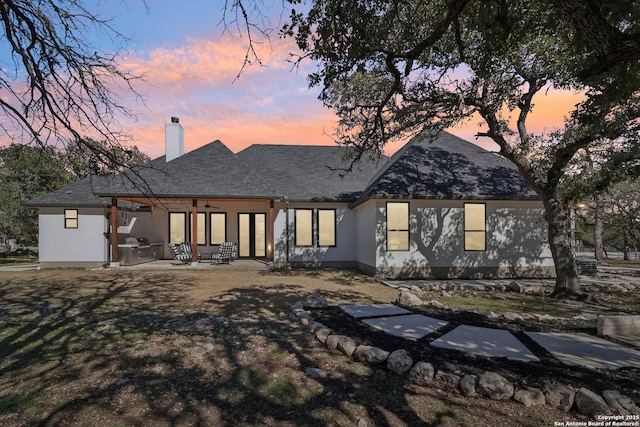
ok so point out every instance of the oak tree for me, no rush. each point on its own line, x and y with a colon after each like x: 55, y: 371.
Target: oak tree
x: 390, y: 69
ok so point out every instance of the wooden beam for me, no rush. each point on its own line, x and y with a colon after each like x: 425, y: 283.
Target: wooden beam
x: 114, y: 230
x: 194, y: 233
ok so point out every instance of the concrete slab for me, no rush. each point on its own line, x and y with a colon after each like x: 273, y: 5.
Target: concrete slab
x: 411, y: 327
x: 372, y: 310
x: 485, y: 342
x: 586, y: 350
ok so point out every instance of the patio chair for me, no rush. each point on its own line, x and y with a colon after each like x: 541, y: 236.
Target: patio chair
x: 225, y: 252
x: 179, y: 253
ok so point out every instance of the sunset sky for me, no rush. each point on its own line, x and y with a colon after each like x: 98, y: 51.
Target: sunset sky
x: 191, y: 65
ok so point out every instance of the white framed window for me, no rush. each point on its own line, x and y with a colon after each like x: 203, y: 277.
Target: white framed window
x: 475, y: 227
x: 397, y: 226
x: 71, y: 218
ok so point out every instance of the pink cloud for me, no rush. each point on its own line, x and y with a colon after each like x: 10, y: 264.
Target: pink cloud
x: 267, y: 105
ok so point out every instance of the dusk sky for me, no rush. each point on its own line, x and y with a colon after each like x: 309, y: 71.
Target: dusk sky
x: 191, y: 65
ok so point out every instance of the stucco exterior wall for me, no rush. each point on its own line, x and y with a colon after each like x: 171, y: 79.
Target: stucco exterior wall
x: 340, y: 255
x: 516, y: 242
x: 85, y: 246
x: 367, y: 240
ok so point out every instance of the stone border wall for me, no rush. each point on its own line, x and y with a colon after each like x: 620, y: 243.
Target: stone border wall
x: 490, y: 385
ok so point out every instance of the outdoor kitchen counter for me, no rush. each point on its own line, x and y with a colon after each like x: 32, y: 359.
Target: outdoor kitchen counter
x: 132, y: 253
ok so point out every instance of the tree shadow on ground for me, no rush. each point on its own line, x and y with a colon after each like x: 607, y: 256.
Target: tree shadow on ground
x: 106, y: 348
x: 121, y: 348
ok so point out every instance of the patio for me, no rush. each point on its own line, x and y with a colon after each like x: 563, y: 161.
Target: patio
x: 166, y: 264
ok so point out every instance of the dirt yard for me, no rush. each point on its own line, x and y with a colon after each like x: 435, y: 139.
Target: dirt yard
x: 215, y: 348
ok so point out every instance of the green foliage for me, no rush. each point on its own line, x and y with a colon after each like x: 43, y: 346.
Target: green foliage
x: 25, y: 173
x: 87, y: 156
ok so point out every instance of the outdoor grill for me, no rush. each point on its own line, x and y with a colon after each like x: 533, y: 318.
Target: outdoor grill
x: 138, y: 250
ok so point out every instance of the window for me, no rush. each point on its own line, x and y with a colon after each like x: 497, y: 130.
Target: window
x: 315, y: 227
x: 202, y: 233
x: 475, y: 227
x: 71, y: 218
x: 397, y: 226
x: 218, y: 231
x: 177, y: 227
x: 304, y: 227
x: 326, y: 227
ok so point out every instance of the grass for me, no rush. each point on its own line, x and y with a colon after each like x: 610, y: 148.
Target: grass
x: 17, y: 402
x: 512, y: 302
x: 17, y: 260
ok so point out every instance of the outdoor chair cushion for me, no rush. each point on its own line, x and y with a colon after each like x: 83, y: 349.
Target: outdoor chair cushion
x: 179, y: 253
x: 225, y: 252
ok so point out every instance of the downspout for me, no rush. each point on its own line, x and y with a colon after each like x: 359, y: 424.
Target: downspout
x: 115, y: 262
x: 194, y: 232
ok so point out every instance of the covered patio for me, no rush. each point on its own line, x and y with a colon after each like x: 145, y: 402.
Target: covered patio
x: 166, y: 264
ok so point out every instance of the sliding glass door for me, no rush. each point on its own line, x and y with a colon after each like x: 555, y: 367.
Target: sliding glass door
x: 252, y: 230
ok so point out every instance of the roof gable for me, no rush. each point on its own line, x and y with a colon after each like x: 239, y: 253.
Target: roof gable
x: 443, y: 166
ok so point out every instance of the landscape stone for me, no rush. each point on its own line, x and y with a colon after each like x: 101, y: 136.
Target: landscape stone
x: 589, y: 403
x: 316, y: 373
x: 559, y: 396
x: 347, y: 345
x: 421, y: 373
x: 416, y: 290
x: 495, y: 386
x: 399, y: 361
x: 435, y: 303
x: 620, y: 404
x: 315, y: 326
x: 408, y: 299
x: 532, y: 289
x: 515, y: 287
x: 512, y: 316
x: 529, y: 397
x: 315, y: 301
x: 468, y: 385
x: 447, y: 380
x: 370, y: 354
x: 322, y: 334
x: 297, y: 306
x: 333, y: 341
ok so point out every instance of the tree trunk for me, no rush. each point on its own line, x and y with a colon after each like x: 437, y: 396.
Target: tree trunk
x: 597, y: 232
x: 567, y: 280
x: 625, y: 245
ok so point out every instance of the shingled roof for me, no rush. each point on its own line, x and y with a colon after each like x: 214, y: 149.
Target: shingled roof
x: 428, y: 167
x: 303, y: 172
x: 78, y: 194
x: 443, y: 166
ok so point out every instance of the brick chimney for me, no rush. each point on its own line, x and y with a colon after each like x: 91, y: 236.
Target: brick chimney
x: 173, y: 139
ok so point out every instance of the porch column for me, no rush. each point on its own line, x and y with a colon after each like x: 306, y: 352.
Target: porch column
x: 115, y: 261
x: 194, y: 232
x: 270, y: 220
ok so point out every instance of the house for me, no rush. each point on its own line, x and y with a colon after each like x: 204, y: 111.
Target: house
x: 440, y: 207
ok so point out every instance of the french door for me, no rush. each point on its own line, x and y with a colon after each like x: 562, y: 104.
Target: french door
x: 252, y: 232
